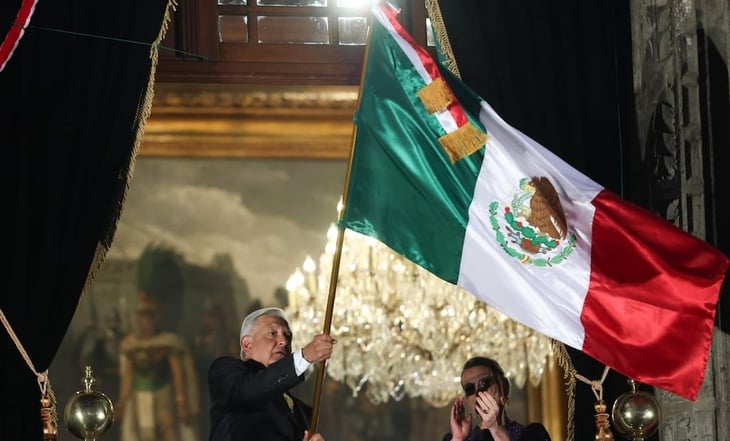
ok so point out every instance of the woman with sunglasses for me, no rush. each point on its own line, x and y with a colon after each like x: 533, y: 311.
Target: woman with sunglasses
x: 486, y: 391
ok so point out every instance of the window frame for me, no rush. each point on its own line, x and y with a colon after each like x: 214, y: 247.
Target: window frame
x: 192, y: 53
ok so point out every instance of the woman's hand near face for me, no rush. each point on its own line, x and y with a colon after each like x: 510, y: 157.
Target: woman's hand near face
x: 460, y: 421
x: 491, y: 412
x: 488, y: 409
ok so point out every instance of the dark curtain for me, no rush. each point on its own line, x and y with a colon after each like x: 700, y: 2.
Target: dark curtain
x: 561, y: 72
x: 71, y: 99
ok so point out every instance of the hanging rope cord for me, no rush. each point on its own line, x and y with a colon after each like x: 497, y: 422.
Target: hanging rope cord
x: 596, y: 385
x: 44, y: 382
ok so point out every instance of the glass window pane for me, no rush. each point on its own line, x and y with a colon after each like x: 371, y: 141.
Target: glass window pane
x: 291, y: 2
x: 293, y: 30
x: 353, y: 31
x: 233, y: 29
x: 232, y: 2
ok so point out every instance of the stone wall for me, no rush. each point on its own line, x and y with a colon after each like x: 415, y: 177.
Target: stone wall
x: 679, y: 148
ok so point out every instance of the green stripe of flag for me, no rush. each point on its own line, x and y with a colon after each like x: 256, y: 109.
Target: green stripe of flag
x: 403, y: 189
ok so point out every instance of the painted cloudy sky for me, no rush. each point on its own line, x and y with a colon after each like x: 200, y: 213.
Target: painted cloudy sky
x: 266, y: 214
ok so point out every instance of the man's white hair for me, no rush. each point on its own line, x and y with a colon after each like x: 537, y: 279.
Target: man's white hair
x: 250, y: 321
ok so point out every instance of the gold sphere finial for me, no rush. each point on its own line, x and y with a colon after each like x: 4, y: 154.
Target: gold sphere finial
x: 88, y: 413
x: 636, y: 414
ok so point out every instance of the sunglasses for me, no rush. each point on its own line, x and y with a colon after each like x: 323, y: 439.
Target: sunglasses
x: 481, y: 385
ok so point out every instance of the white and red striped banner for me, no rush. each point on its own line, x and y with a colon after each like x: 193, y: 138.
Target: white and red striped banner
x: 16, y: 31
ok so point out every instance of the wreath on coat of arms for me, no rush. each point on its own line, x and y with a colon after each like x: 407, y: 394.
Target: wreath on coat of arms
x: 532, y: 227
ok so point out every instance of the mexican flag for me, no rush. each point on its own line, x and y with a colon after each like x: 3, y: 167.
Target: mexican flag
x: 441, y: 179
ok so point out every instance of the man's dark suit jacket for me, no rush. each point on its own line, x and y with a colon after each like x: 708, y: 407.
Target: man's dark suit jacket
x: 247, y: 401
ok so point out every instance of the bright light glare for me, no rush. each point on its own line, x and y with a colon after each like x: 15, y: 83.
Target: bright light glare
x: 355, y: 4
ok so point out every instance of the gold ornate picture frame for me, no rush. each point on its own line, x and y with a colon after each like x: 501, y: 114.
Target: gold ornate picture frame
x: 224, y: 120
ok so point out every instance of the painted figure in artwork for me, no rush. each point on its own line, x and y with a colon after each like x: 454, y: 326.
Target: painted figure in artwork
x: 158, y: 398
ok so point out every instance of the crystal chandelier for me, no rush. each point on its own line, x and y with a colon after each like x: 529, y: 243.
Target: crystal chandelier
x: 400, y: 330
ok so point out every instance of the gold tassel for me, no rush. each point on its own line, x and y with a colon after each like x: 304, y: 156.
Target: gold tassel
x: 436, y: 96
x: 463, y: 142
x: 49, y: 420
x: 603, y: 432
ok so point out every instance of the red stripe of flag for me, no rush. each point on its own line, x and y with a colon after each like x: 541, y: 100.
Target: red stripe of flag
x: 457, y: 112
x: 643, y: 270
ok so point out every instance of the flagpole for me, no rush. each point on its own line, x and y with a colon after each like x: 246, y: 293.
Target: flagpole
x: 334, y: 274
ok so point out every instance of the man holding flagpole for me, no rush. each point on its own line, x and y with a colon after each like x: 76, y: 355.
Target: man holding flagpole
x: 250, y: 396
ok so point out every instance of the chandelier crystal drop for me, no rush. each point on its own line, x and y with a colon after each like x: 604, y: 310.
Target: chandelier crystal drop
x: 402, y: 331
